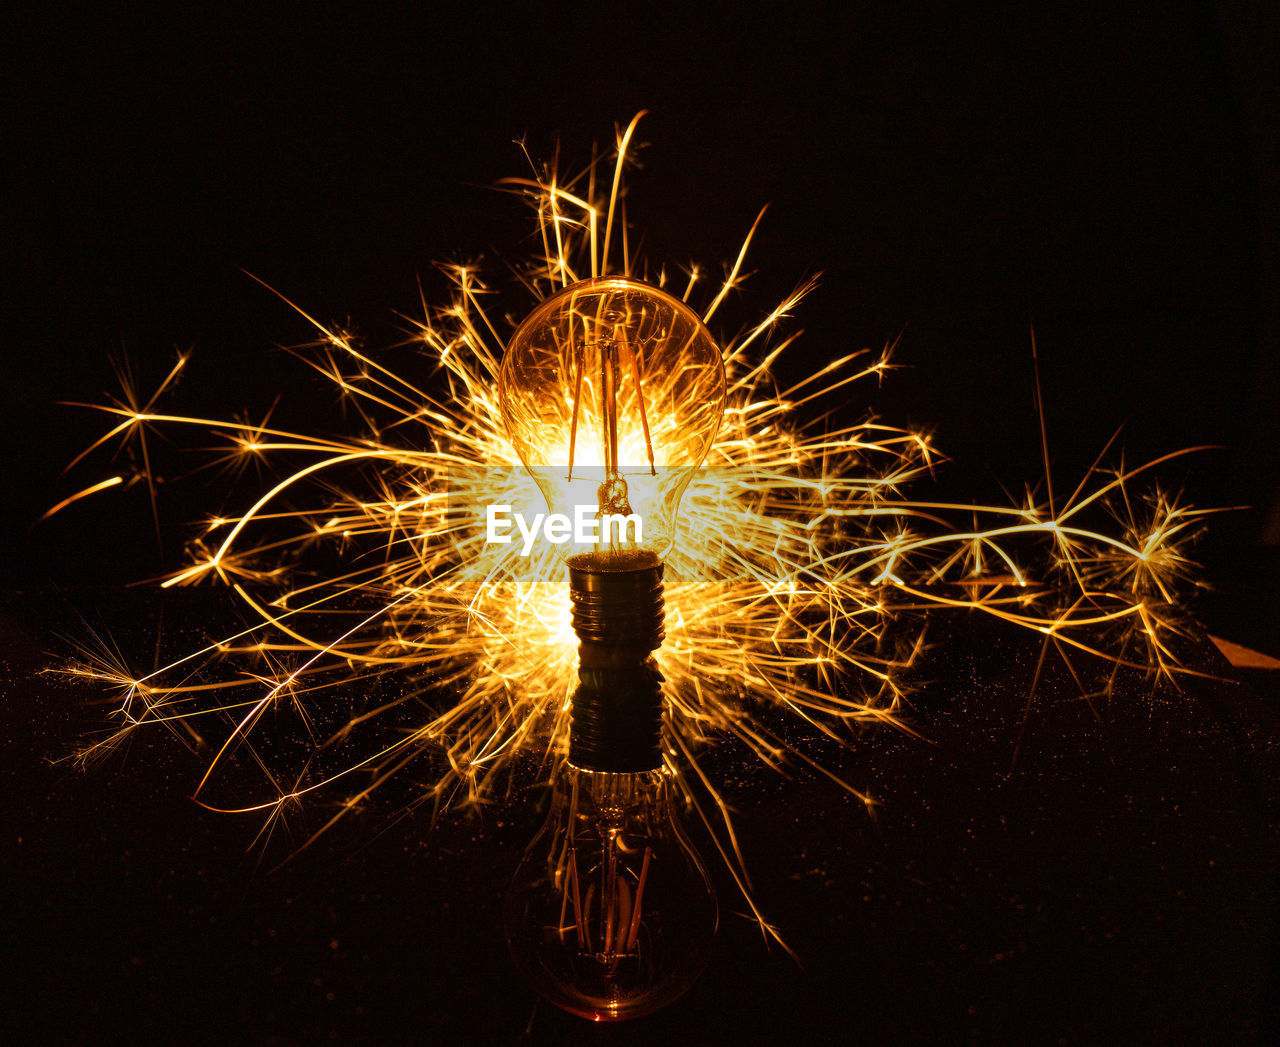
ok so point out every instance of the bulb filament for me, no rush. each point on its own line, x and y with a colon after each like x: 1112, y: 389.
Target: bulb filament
x: 619, y: 915
x: 613, y: 353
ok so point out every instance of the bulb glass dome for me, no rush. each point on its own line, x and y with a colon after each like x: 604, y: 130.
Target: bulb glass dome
x: 612, y: 392
x: 611, y: 915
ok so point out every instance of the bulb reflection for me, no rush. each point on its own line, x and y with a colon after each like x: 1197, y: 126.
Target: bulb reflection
x: 611, y: 914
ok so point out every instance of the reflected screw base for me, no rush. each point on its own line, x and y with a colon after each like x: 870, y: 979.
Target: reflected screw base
x: 617, y: 709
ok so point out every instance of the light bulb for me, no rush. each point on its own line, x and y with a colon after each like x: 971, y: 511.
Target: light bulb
x: 611, y: 914
x: 612, y: 392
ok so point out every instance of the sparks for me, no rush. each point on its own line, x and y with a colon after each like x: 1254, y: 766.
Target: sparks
x: 809, y: 557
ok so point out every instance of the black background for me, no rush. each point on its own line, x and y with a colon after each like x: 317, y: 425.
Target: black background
x: 1108, y: 175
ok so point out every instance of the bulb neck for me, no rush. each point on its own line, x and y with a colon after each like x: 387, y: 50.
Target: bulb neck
x: 618, y: 614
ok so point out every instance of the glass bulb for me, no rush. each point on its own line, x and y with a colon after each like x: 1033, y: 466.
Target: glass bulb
x: 611, y: 913
x: 612, y: 392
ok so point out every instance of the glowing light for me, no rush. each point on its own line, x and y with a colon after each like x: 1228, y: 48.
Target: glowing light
x: 808, y: 556
x: 612, y: 392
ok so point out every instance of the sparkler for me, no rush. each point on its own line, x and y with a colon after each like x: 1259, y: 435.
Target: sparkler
x: 808, y: 554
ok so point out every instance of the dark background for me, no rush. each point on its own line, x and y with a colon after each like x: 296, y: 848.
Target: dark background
x: 1107, y: 175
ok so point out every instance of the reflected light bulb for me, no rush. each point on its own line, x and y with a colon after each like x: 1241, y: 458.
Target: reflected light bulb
x: 612, y: 392
x: 611, y: 914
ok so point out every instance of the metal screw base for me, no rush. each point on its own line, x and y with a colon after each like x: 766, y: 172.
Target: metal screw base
x: 618, y: 612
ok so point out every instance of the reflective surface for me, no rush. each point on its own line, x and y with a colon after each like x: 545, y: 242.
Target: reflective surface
x: 1113, y: 883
